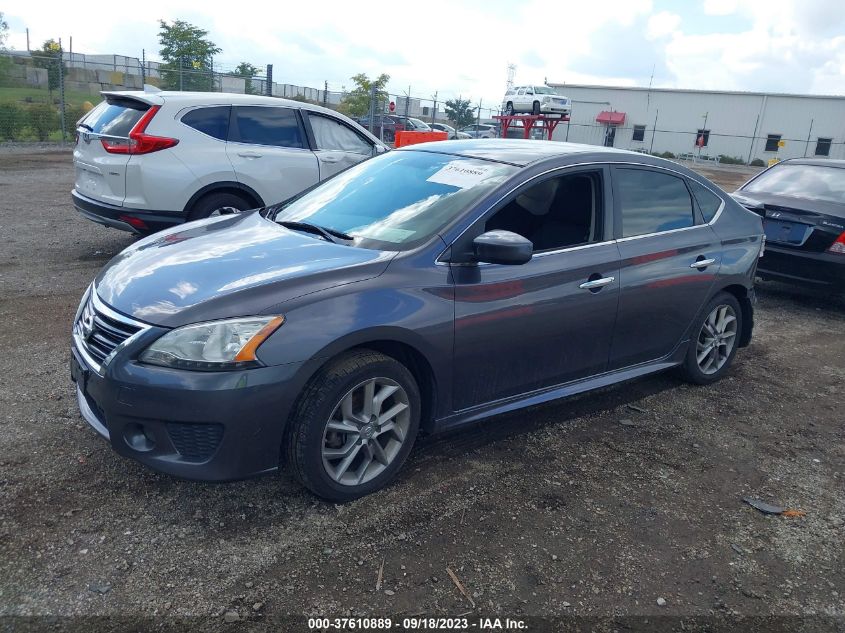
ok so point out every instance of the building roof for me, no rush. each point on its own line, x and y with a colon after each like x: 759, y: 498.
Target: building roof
x: 695, y: 91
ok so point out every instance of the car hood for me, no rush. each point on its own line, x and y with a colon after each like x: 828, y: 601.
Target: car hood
x: 229, y: 266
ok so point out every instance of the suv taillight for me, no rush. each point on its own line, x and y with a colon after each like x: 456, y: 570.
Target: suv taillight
x: 838, y: 246
x: 139, y: 142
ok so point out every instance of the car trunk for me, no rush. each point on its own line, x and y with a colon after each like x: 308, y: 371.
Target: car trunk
x: 790, y: 224
x: 100, y: 173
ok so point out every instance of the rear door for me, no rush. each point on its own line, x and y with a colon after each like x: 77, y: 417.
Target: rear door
x: 100, y: 174
x: 669, y: 262
x: 269, y: 152
x: 336, y: 144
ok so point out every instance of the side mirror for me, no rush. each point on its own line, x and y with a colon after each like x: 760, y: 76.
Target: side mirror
x: 502, y: 247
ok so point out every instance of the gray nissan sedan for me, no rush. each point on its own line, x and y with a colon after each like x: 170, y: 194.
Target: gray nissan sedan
x: 420, y: 290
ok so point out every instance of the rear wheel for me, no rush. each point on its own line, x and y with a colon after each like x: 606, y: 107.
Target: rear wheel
x: 509, y: 109
x: 354, y: 426
x: 714, y: 344
x: 217, y: 204
x: 536, y: 108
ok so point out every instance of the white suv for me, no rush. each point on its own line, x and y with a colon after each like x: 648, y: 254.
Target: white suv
x: 148, y: 160
x: 536, y: 100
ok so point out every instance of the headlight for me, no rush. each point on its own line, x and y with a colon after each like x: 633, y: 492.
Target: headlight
x: 213, y: 346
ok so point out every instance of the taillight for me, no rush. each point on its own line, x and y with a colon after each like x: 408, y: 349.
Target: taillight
x: 838, y: 246
x: 131, y: 220
x: 139, y: 142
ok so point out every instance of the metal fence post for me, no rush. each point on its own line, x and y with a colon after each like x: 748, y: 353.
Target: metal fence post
x: 62, y: 92
x: 143, y: 70
x: 269, y: 80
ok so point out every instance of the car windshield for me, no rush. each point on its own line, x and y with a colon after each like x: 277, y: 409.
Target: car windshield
x: 814, y: 182
x: 543, y: 90
x: 398, y: 200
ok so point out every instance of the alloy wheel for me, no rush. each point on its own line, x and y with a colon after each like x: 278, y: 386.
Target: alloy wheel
x: 716, y: 339
x: 366, y: 431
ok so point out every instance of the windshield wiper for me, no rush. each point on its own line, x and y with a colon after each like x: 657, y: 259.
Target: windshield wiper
x: 327, y: 233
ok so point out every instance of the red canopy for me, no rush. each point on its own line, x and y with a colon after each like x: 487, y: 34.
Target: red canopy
x: 611, y: 118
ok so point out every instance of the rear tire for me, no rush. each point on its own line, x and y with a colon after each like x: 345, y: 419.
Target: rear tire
x: 353, y: 426
x: 509, y: 109
x: 714, y: 341
x: 214, y: 203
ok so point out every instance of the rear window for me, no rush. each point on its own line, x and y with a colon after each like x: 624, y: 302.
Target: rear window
x: 269, y: 125
x: 115, y: 117
x: 708, y: 201
x: 213, y: 121
x: 813, y: 182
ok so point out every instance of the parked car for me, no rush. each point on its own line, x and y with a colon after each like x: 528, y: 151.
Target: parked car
x: 535, y: 100
x: 802, y: 202
x: 452, y: 133
x: 481, y: 130
x: 429, y: 287
x: 148, y: 160
x: 389, y: 124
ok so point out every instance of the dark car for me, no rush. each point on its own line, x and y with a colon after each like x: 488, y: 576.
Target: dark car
x: 426, y: 288
x: 803, y: 203
x: 385, y: 126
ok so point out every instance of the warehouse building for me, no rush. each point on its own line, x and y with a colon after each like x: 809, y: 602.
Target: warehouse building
x: 706, y: 123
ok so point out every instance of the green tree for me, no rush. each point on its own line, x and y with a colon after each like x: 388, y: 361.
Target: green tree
x: 49, y: 57
x: 357, y: 101
x: 12, y: 120
x: 247, y: 71
x: 4, y: 32
x: 187, y: 55
x: 460, y: 111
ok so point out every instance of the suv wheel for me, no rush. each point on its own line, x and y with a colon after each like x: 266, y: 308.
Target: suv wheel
x: 509, y: 109
x: 215, y: 204
x: 714, y: 342
x: 536, y: 108
x: 354, y: 426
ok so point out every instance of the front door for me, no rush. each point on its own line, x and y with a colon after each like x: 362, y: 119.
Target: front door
x: 669, y: 262
x: 549, y: 321
x: 269, y: 153
x: 336, y: 145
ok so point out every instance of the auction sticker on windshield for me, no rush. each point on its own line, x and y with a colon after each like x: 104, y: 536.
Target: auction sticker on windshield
x: 461, y: 173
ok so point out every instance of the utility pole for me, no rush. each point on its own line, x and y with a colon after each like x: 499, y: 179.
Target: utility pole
x: 653, y: 131
x: 27, y: 39
x: 143, y: 67
x: 269, y: 87
x: 325, y: 93
x: 807, y: 146
x: 372, y: 115
x: 434, y: 110
x: 407, y: 101
x: 478, y: 118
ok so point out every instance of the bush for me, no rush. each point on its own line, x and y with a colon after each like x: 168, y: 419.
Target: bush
x: 664, y: 154
x: 757, y: 162
x: 11, y: 121
x: 731, y: 160
x: 43, y: 119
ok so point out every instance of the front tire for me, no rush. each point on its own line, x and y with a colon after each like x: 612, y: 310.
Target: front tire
x: 354, y: 426
x: 536, y: 108
x: 714, y: 342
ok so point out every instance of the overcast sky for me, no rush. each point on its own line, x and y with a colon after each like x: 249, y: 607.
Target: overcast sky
x: 464, y: 47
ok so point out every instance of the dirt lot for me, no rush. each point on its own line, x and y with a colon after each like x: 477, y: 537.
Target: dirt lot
x: 603, y: 505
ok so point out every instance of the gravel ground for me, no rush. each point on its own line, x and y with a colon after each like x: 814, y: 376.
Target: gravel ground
x: 623, y: 502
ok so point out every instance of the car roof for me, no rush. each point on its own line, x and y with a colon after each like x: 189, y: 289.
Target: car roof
x: 821, y: 162
x: 524, y: 152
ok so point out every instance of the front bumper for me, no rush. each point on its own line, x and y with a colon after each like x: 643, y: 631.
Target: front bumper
x: 121, y: 217
x: 820, y: 270
x: 553, y: 108
x: 213, y: 426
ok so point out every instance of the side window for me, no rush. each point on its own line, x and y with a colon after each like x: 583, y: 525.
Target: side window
x: 521, y: 91
x: 333, y: 135
x: 708, y: 201
x: 269, y: 125
x: 652, y: 202
x: 556, y: 213
x: 213, y: 121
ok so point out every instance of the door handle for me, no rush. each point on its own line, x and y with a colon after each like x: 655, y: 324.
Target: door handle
x: 702, y: 263
x: 597, y: 283
x: 249, y: 155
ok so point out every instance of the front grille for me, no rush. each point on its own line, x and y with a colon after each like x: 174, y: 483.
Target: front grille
x: 195, y: 442
x: 99, y: 332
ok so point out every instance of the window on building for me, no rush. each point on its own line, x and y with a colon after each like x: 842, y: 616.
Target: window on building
x: 639, y: 133
x: 823, y: 146
x: 425, y: 111
x: 652, y: 202
x: 702, y: 138
x: 772, y: 142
